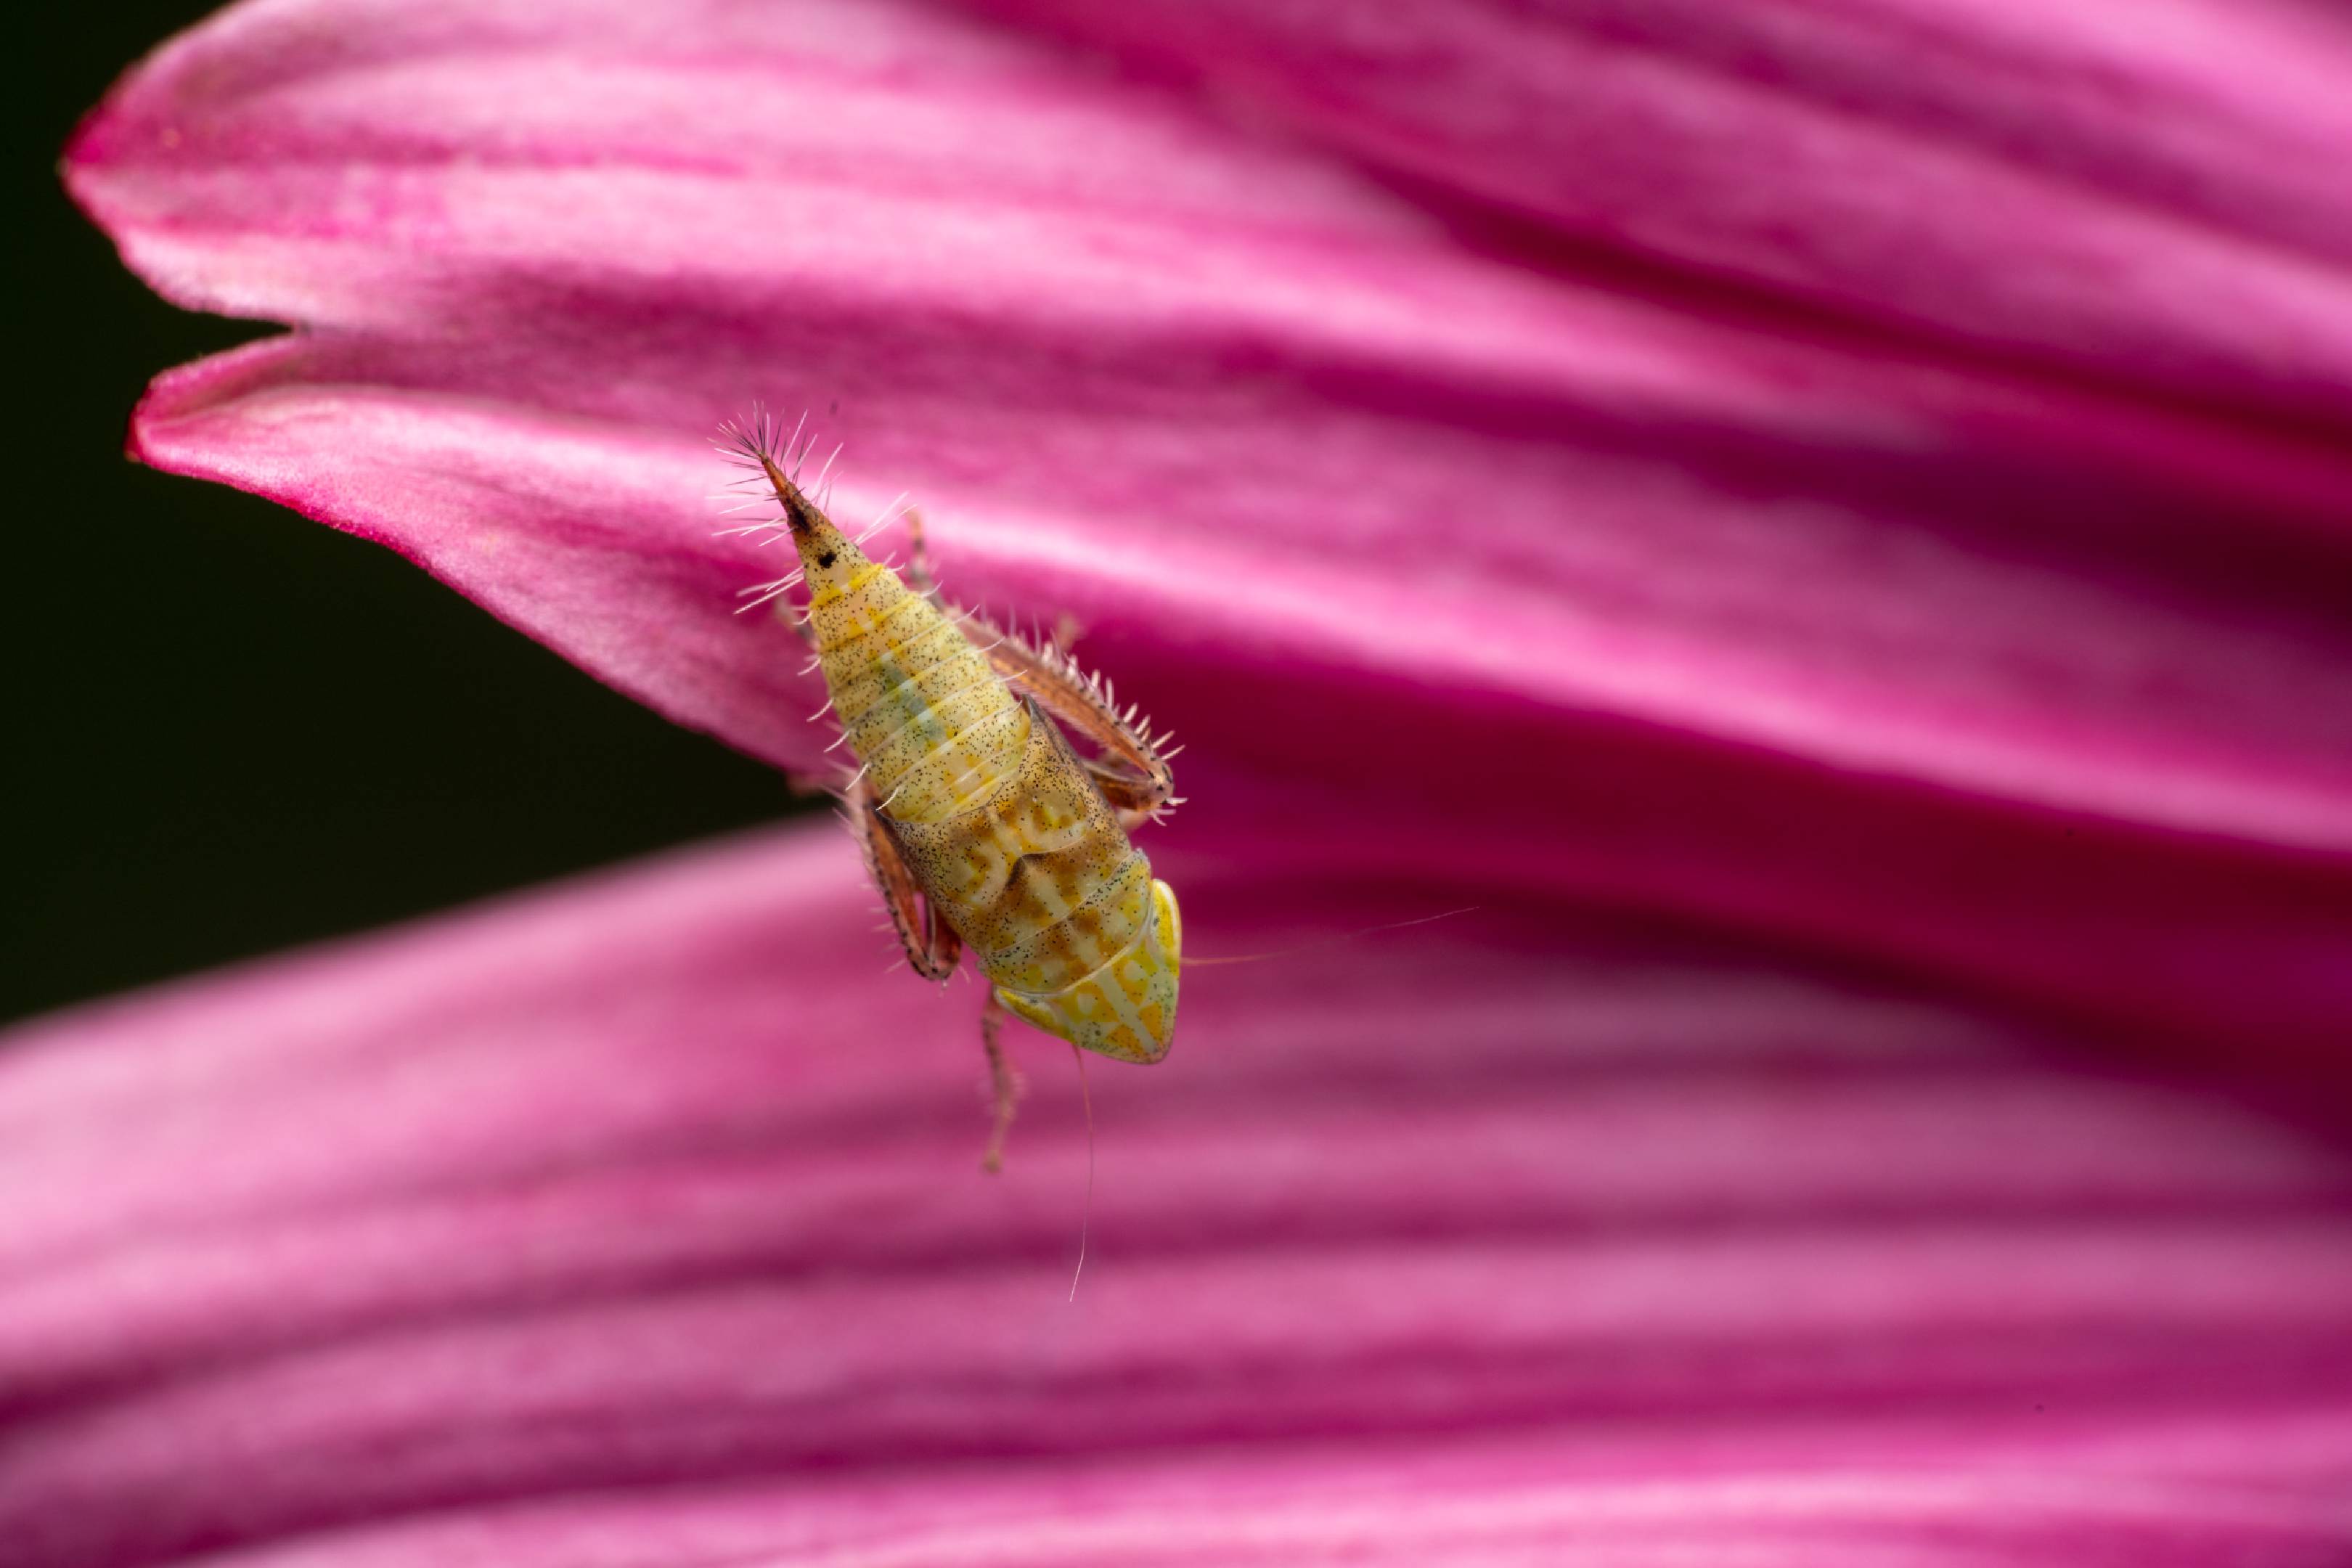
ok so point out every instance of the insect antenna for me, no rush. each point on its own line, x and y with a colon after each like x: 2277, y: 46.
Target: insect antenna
x: 1085, y: 1213
x: 1190, y: 962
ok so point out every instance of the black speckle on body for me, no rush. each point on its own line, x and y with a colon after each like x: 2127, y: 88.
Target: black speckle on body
x: 825, y: 559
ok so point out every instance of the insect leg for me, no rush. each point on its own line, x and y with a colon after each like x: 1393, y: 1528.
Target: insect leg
x: 1134, y: 775
x: 932, y: 946
x: 1001, y: 1084
x: 918, y: 574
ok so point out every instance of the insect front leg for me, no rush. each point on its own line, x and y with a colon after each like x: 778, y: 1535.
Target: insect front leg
x: 918, y: 573
x: 933, y: 948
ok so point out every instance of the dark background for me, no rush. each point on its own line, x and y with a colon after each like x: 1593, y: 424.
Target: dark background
x: 229, y: 729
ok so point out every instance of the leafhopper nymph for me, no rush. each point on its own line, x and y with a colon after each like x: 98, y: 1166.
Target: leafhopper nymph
x: 981, y: 826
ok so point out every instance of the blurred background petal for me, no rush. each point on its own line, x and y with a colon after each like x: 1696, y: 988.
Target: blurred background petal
x: 637, y: 1221
x: 2139, y: 194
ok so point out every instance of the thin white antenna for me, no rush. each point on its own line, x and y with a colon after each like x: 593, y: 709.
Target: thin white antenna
x: 1086, y: 1214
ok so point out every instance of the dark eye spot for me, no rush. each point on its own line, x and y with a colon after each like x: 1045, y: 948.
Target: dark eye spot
x: 825, y: 559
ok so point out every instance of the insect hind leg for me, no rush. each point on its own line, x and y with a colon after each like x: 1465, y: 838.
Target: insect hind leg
x: 1002, y: 1086
x: 1135, y: 775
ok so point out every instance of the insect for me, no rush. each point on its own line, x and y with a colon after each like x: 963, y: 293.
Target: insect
x: 980, y: 825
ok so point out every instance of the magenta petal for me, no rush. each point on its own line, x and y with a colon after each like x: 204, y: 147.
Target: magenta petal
x: 2140, y: 189
x: 638, y: 1223
x: 1989, y: 678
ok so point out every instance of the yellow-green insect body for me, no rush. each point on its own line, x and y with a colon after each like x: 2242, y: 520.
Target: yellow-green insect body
x: 981, y: 825
x: 1003, y: 829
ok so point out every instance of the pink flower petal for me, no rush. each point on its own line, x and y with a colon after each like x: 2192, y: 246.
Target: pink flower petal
x: 1993, y: 678
x: 2145, y: 190
x: 638, y: 1223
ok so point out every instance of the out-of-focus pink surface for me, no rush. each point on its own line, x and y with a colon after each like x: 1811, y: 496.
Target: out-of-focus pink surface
x: 1829, y: 524
x: 639, y: 1222
x: 2138, y: 193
